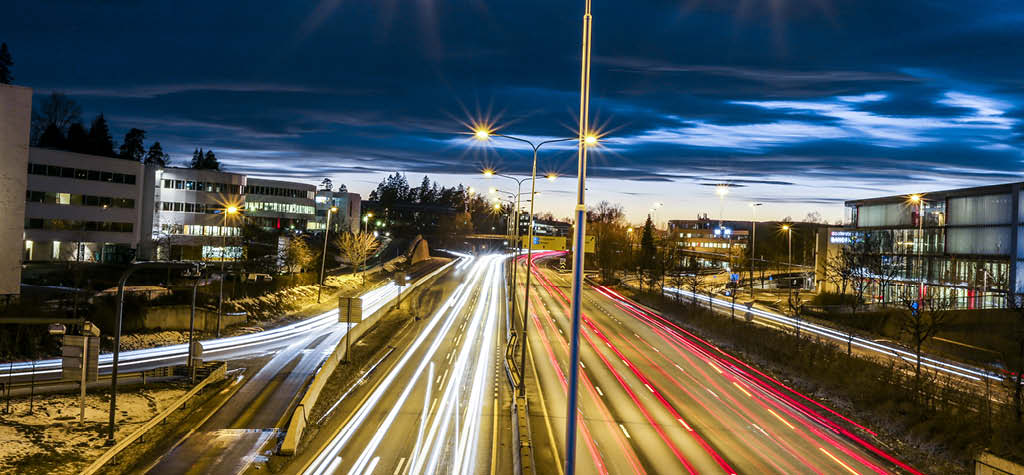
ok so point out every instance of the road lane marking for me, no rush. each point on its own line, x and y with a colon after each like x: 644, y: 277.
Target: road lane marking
x: 583, y: 365
x: 715, y: 366
x: 624, y: 431
x: 494, y: 438
x: 599, y: 390
x: 713, y: 393
x: 781, y: 419
x: 679, y: 367
x: 840, y: 462
x: 399, y: 468
x: 373, y: 465
x: 649, y: 388
x: 741, y: 389
x: 687, y: 426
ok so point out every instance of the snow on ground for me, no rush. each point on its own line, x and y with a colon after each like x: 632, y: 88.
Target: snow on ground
x: 51, y: 440
x: 139, y: 341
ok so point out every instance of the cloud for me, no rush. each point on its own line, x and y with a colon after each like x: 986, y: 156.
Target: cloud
x: 156, y: 90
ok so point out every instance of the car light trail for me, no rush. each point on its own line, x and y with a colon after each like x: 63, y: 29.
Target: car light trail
x: 228, y: 347
x: 452, y: 307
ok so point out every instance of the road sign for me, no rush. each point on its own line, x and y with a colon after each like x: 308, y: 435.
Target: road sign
x: 734, y: 277
x: 350, y: 309
x: 71, y: 362
x: 400, y: 279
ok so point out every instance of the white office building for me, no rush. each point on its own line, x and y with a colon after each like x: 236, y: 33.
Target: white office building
x: 81, y: 207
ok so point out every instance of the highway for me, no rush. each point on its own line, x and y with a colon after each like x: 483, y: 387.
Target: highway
x: 656, y: 399
x: 440, y: 403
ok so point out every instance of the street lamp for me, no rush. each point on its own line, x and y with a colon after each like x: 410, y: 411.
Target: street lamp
x: 721, y: 190
x: 587, y: 139
x: 919, y: 201
x: 323, y: 258
x: 230, y: 210
x: 366, y: 222
x: 789, y: 242
x: 753, y: 242
x: 483, y: 134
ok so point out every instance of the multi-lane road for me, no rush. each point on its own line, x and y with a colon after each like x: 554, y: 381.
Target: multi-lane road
x: 656, y: 399
x: 440, y: 402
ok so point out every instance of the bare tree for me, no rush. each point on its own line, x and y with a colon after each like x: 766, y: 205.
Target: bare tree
x: 56, y: 109
x: 693, y: 280
x: 356, y: 248
x: 923, y: 319
x: 296, y: 256
x: 795, y: 306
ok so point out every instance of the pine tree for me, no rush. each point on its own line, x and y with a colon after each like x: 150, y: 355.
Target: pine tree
x: 100, y: 142
x: 647, y: 248
x: 5, y: 65
x: 210, y: 161
x: 52, y: 138
x: 156, y: 155
x: 197, y: 159
x: 133, y: 148
x: 78, y: 138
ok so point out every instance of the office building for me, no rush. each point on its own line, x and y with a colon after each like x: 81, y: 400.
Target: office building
x: 80, y: 207
x: 964, y: 244
x: 347, y: 217
x: 279, y: 205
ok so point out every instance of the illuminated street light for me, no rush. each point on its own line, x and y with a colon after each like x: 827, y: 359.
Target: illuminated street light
x: 228, y: 211
x: 552, y: 176
x: 323, y: 259
x: 753, y: 242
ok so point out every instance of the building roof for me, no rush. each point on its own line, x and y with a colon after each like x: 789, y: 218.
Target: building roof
x: 940, y: 195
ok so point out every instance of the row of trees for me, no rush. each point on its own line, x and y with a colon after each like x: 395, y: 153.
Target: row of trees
x: 434, y: 211
x: 57, y: 123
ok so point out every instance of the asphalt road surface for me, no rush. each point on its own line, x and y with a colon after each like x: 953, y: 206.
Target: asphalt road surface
x: 440, y: 402
x: 655, y: 399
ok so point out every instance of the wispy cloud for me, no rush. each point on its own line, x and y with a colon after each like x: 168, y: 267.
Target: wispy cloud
x: 156, y: 90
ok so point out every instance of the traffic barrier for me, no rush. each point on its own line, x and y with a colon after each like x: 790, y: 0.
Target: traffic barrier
x: 218, y: 373
x: 300, y: 417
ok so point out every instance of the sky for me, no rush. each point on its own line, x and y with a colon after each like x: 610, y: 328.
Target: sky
x: 797, y: 104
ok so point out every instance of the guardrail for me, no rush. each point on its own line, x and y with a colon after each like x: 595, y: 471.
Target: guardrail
x: 300, y: 417
x: 217, y: 374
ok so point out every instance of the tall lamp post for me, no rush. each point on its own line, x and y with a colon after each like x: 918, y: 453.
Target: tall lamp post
x: 753, y: 242
x: 323, y: 259
x: 919, y: 201
x: 230, y: 210
x: 482, y: 134
x: 585, y: 139
x: 788, y: 228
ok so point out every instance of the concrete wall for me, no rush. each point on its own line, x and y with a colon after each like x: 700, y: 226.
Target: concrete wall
x: 988, y: 464
x: 176, y: 318
x: 16, y: 107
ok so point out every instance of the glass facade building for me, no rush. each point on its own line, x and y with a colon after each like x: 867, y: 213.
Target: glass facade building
x: 965, y: 244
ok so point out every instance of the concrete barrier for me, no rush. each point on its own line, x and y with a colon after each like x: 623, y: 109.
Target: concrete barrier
x: 175, y: 317
x: 989, y: 464
x: 297, y: 423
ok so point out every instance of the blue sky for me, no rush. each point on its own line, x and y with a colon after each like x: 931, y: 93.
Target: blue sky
x: 799, y: 104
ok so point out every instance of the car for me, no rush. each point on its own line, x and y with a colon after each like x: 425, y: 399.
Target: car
x: 254, y: 277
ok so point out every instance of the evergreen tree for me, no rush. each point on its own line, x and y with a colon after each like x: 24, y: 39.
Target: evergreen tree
x: 100, y: 142
x: 197, y: 159
x: 133, y: 148
x: 78, y: 138
x: 51, y: 138
x: 342, y: 188
x: 5, y: 65
x: 647, y: 247
x: 156, y: 155
x: 327, y: 184
x: 210, y: 161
